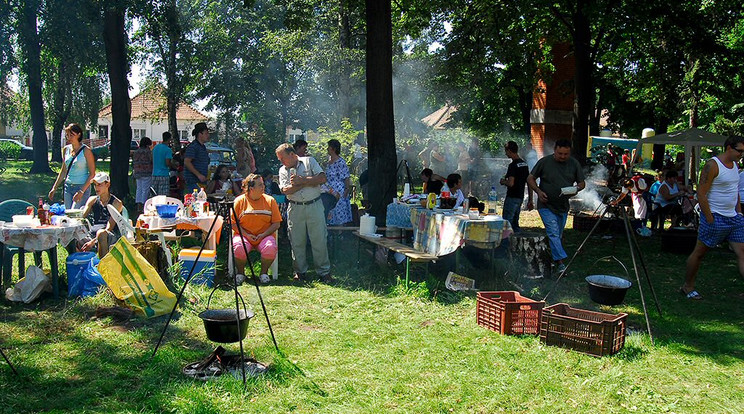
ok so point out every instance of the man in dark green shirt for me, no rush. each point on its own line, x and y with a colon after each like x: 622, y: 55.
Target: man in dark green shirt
x: 560, y: 177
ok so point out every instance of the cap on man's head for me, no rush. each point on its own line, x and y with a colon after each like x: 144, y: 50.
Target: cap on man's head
x: 199, y: 127
x: 102, y: 177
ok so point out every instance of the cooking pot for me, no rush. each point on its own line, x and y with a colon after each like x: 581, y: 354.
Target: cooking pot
x: 606, y: 289
x: 679, y: 240
x: 221, y: 325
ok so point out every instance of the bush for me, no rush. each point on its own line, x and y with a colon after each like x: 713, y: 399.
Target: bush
x: 9, y: 151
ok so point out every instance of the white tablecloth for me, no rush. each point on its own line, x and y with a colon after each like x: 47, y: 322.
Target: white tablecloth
x: 35, y: 239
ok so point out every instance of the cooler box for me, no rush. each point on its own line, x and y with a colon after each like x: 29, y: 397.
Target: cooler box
x: 204, y: 270
x: 76, y: 262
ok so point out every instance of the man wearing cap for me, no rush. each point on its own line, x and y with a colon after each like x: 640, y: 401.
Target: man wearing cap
x: 196, y: 158
x: 103, y: 230
x: 300, y: 179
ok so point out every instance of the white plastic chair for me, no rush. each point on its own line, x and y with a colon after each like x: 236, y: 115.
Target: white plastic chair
x: 150, y: 204
x: 125, y: 225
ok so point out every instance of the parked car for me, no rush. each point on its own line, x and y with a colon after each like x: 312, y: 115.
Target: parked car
x: 221, y: 155
x: 16, y: 150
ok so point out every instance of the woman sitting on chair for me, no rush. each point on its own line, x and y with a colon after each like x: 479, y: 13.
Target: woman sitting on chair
x: 259, y: 218
x: 103, y: 230
x: 221, y: 183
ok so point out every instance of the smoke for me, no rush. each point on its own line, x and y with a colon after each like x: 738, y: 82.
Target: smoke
x: 590, y: 198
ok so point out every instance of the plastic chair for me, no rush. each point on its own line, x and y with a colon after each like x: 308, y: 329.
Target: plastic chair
x: 275, y: 265
x: 8, y: 209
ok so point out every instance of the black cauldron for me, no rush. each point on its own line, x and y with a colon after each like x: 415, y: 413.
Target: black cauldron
x: 607, y: 290
x: 221, y: 326
x: 679, y: 240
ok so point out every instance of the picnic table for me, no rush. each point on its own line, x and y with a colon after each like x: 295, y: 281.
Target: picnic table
x: 441, y: 232
x: 39, y: 239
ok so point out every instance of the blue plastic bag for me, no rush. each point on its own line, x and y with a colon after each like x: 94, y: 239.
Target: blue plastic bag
x: 87, y: 282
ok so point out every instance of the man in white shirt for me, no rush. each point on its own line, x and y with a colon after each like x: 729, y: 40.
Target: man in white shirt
x: 721, y: 219
x: 300, y: 179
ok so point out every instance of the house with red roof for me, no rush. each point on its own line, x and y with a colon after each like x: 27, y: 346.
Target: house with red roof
x: 150, y: 117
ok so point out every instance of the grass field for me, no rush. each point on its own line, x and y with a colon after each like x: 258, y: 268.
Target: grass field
x: 367, y: 344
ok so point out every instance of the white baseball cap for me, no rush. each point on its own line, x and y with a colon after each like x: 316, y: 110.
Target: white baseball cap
x: 101, y: 177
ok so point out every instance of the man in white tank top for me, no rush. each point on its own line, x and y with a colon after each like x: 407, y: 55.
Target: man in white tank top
x: 721, y: 219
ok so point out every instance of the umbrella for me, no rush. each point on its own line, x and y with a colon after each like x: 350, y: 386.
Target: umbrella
x: 690, y: 138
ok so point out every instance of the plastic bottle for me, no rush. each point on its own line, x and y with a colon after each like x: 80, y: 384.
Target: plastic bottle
x: 194, y: 199
x: 187, y: 205
x: 201, y: 200
x: 492, y: 197
x: 445, y: 191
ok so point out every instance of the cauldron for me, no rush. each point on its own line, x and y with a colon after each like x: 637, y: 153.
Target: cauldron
x: 607, y: 290
x: 220, y: 323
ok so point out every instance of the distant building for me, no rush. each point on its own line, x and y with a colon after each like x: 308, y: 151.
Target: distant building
x: 150, y: 117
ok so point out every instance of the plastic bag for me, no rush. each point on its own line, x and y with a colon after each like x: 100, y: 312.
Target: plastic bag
x: 87, y: 282
x: 133, y: 280
x: 30, y: 287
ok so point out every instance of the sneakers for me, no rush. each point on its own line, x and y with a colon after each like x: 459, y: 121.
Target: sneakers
x: 560, y: 268
x: 239, y: 279
x: 327, y: 278
x: 298, y: 277
x: 264, y: 278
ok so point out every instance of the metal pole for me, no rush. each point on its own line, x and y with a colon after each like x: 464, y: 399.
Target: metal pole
x: 186, y: 282
x: 8, y: 361
x: 581, y: 246
x: 253, y: 276
x: 235, y: 288
x: 635, y: 269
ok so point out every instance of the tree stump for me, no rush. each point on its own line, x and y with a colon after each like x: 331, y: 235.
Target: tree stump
x: 530, y: 252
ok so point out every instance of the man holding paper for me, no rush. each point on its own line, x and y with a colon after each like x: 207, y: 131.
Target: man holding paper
x: 561, y: 177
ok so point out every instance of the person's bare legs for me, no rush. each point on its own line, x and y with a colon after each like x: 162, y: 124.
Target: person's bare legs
x: 240, y: 265
x: 739, y: 250
x: 103, y: 245
x: 693, y: 264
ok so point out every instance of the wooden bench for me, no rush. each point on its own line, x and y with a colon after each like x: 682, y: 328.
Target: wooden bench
x: 411, y: 254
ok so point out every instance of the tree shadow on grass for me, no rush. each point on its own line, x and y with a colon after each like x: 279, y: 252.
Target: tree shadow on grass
x: 64, y: 368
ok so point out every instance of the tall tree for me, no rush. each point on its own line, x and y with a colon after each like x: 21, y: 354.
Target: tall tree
x: 117, y: 61
x: 73, y: 62
x: 380, y: 123
x: 168, y: 42
x: 31, y: 65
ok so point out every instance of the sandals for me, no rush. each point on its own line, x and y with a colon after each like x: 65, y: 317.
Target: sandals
x: 692, y: 295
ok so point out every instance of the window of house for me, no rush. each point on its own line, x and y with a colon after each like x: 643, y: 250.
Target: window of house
x: 183, y: 135
x: 103, y: 132
x: 138, y: 134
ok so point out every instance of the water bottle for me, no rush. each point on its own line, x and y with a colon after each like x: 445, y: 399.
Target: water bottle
x: 492, y: 197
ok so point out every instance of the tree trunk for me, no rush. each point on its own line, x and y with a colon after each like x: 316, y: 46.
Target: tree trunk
x: 115, y: 40
x: 32, y: 51
x: 344, y: 80
x: 525, y: 107
x: 380, y: 121
x: 660, y: 149
x: 60, y: 111
x: 584, y: 89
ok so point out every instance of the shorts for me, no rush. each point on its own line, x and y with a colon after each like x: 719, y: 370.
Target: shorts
x: 722, y: 229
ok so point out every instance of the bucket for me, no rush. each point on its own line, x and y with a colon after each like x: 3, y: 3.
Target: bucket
x: 394, y: 233
x: 76, y: 262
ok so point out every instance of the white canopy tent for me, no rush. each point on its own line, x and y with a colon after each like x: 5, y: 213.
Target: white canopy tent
x: 692, y: 139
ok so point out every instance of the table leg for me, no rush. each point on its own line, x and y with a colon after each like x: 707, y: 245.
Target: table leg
x: 55, y: 270
x: 166, y: 250
x: 3, y: 282
x: 21, y: 264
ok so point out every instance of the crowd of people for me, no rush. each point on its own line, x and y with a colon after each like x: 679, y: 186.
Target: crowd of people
x: 319, y: 197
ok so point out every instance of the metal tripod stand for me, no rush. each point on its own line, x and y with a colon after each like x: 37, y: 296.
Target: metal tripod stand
x: 231, y: 269
x: 635, y: 249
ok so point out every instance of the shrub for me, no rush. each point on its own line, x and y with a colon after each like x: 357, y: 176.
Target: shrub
x: 10, y: 151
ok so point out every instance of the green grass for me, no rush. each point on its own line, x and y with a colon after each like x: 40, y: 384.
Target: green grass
x: 367, y: 344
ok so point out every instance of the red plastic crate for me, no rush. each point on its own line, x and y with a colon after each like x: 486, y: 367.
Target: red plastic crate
x: 592, y: 333
x: 509, y: 313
